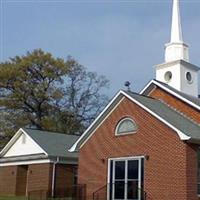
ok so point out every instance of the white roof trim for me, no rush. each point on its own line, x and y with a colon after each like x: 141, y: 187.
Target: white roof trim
x: 182, y: 135
x: 72, y: 149
x: 103, y: 121
x: 36, y: 161
x: 146, y: 86
x: 14, y: 139
x: 171, y: 92
x: 26, y: 162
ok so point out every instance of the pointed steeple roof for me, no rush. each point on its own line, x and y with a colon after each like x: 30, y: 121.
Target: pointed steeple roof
x: 177, y: 71
x: 176, y: 30
x: 176, y: 49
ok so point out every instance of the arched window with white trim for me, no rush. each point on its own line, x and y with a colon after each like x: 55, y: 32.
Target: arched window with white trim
x: 126, y: 126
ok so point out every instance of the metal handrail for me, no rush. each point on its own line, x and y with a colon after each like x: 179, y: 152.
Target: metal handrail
x: 96, y: 193
x: 101, y: 193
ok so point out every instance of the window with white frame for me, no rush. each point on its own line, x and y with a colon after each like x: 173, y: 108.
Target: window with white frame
x: 125, y: 179
x: 126, y: 126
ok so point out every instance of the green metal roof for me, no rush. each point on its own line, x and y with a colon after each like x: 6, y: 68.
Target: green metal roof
x: 54, y: 144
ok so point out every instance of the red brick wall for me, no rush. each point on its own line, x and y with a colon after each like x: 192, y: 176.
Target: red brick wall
x: 64, y: 176
x: 176, y: 103
x: 8, y: 177
x: 39, y: 177
x: 22, y: 172
x: 64, y: 179
x: 15, y: 179
x: 192, y: 149
x: 192, y: 168
x: 166, y: 172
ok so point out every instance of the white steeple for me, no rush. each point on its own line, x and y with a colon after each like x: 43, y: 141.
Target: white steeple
x: 177, y: 71
x: 176, y: 30
x: 176, y: 49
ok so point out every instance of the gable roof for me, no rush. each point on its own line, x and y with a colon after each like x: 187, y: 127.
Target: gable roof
x: 170, y: 115
x: 190, y: 100
x: 54, y: 144
x: 183, y: 126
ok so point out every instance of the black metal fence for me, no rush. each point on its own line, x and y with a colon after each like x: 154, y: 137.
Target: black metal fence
x: 75, y: 192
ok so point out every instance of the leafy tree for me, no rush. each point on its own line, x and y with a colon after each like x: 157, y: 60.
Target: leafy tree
x: 38, y: 90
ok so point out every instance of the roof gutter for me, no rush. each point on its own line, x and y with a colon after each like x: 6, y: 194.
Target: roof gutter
x: 194, y: 141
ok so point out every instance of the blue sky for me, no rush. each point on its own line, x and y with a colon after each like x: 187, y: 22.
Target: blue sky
x: 122, y: 40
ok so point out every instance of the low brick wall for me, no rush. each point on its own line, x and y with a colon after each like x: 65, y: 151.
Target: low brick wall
x: 22, y: 179
x: 8, y: 179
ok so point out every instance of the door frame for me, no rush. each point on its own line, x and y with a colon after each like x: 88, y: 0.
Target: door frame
x: 139, y: 158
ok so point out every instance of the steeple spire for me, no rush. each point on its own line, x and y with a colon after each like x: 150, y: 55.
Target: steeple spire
x: 177, y: 71
x: 176, y: 49
x: 176, y: 30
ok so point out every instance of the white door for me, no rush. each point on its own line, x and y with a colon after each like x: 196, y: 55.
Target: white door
x: 125, y: 179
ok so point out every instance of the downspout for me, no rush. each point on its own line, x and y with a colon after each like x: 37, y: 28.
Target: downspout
x: 54, y: 177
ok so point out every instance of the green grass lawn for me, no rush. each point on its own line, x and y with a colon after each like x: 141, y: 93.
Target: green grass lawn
x: 23, y: 198
x: 13, y: 198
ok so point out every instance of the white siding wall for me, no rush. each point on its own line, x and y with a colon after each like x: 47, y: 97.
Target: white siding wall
x: 175, y: 82
x: 178, y: 80
x: 23, y: 146
x: 189, y: 87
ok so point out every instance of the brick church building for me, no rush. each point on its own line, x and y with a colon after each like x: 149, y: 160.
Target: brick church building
x: 146, y: 145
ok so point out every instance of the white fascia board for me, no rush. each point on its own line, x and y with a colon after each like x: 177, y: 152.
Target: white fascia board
x: 31, y: 162
x: 36, y: 161
x: 146, y: 86
x: 181, y: 135
x: 171, y: 92
x: 73, y: 148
